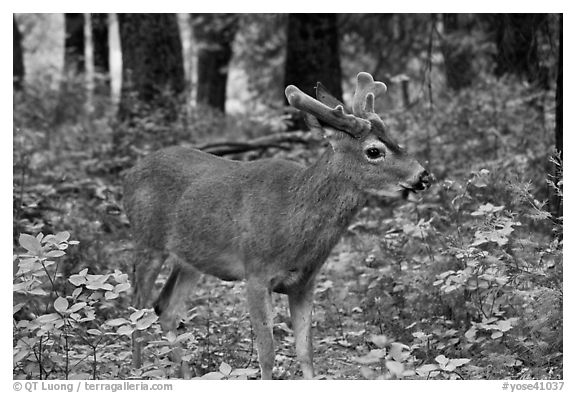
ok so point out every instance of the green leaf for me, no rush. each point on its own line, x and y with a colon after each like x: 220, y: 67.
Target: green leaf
x: 20, y: 354
x: 77, y: 279
x: 17, y: 307
x: 426, y: 369
x: 225, y: 368
x: 136, y: 315
x: 121, y: 287
x: 61, y: 304
x: 244, y: 371
x: 62, y: 236
x: 117, y: 322
x: 459, y: 362
x: 505, y: 325
x: 398, y: 353
x: 125, y: 330
x: 110, y: 295
x: 94, y: 332
x: 470, y: 333
x: 184, y: 337
x: 77, y: 306
x: 367, y: 372
x: 371, y: 357
x: 146, y: 321
x: 487, y: 209
x: 30, y: 243
x: 395, y: 368
x: 154, y: 373
x: 171, y: 337
x: 442, y: 359
x: 55, y: 254
x: 379, y: 340
x: 76, y: 292
x: 77, y: 376
x: 215, y: 375
x: 47, y: 318
x: 95, y: 285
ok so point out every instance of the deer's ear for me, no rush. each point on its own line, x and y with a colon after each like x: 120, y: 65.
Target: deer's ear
x: 312, y: 122
x: 324, y: 96
x: 331, y: 134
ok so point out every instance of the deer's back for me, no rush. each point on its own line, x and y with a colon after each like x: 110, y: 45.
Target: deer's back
x: 183, y: 189
x: 155, y: 184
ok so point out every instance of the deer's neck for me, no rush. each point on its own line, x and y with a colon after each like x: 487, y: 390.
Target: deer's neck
x: 325, y: 197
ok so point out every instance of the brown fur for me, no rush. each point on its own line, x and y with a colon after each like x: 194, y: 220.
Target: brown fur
x: 270, y: 222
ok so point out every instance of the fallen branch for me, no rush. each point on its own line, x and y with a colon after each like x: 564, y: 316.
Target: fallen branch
x: 278, y: 141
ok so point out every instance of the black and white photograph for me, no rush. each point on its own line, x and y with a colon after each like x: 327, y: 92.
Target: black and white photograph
x: 287, y: 196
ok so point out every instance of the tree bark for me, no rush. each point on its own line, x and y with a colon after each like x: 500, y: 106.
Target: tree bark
x: 215, y: 34
x: 74, y: 43
x: 515, y: 36
x: 312, y: 53
x: 559, y: 80
x: 458, y: 56
x: 152, y: 64
x: 17, y: 58
x: 100, y: 40
x: 557, y: 200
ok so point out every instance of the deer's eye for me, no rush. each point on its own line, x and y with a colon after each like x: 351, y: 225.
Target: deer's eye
x: 374, y: 153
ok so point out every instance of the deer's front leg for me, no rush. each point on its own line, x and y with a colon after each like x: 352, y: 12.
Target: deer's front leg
x: 301, y: 313
x: 260, y: 308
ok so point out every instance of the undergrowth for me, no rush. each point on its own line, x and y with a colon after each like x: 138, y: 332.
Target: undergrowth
x: 464, y: 284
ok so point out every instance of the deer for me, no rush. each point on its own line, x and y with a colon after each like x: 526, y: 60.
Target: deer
x: 269, y: 222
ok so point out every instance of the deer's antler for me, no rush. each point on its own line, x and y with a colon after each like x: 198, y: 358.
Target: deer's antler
x: 335, y: 117
x: 366, y: 91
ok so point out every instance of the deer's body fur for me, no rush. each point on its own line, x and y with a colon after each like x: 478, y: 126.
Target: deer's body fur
x: 269, y: 226
x: 271, y: 223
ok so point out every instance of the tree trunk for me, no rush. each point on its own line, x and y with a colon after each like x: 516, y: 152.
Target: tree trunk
x: 100, y: 42
x: 458, y: 56
x: 516, y: 41
x: 17, y: 58
x: 214, y: 34
x: 89, y: 63
x: 557, y: 201
x: 152, y: 64
x: 312, y: 53
x: 559, y: 80
x: 74, y: 43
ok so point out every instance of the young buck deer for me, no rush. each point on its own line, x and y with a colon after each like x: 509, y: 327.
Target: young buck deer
x: 271, y: 223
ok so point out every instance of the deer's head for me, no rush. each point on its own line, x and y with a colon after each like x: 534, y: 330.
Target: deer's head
x: 364, y: 149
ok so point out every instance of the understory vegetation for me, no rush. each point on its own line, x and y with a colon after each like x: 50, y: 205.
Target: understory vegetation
x: 463, y: 283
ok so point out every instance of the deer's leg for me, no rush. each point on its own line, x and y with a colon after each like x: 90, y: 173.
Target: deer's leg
x: 300, y: 303
x: 146, y: 267
x: 260, y: 308
x: 171, y: 306
x: 171, y: 303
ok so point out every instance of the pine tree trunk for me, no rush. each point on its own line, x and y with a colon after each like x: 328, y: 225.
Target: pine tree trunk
x: 215, y: 35
x: 152, y: 64
x: 312, y: 53
x: 458, y: 56
x: 74, y: 43
x: 515, y: 36
x: 100, y: 40
x: 557, y: 201
x: 17, y: 58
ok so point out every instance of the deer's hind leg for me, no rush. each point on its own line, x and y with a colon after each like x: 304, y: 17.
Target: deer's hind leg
x: 171, y: 305
x: 147, y: 264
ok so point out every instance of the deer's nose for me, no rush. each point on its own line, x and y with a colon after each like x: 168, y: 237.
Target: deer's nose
x: 424, y: 181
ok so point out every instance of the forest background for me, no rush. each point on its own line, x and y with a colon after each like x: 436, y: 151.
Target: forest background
x: 464, y: 284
